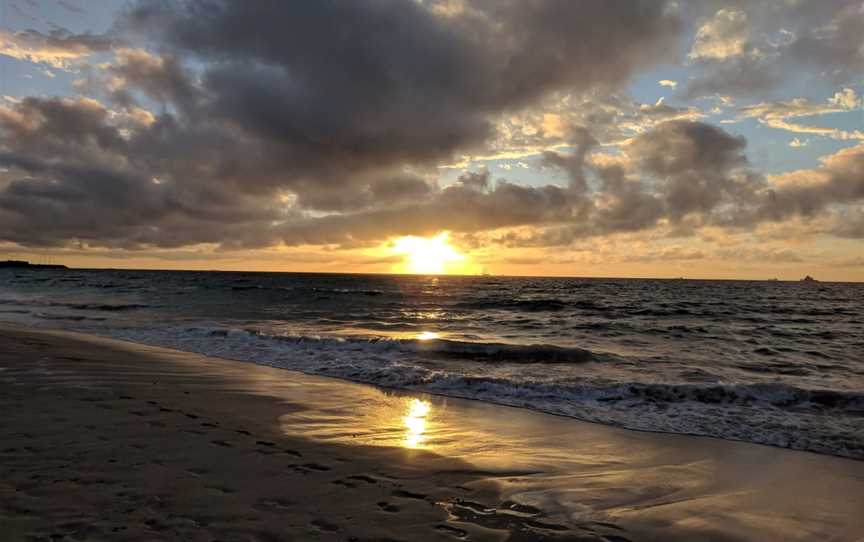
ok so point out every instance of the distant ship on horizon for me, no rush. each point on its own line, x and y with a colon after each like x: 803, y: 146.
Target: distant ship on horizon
x: 808, y: 278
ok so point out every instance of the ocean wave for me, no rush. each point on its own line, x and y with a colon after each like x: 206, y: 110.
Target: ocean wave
x: 318, y: 291
x: 68, y: 317
x: 516, y: 305
x: 346, y: 291
x: 103, y: 307
x: 445, y: 348
x: 819, y: 420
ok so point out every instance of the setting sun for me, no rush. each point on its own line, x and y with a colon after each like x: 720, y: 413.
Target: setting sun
x: 430, y: 256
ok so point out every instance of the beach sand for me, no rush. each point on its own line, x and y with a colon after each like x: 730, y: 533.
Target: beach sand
x: 105, y: 440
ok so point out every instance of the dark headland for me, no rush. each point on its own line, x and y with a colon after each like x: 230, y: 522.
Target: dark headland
x: 21, y: 264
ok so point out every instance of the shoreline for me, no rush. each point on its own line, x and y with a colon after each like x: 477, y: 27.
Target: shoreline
x: 444, y: 469
x: 826, y: 444
x: 456, y: 396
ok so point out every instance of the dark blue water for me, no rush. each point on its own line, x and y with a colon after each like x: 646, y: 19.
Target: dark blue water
x: 772, y: 362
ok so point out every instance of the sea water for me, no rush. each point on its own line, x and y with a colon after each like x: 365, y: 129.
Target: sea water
x: 779, y: 363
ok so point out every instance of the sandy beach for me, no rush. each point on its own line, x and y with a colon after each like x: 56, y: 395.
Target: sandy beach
x: 106, y: 440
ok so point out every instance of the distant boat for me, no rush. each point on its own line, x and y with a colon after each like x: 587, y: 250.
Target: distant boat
x: 808, y: 278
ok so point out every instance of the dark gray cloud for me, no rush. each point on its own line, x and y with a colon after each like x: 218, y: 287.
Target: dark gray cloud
x: 346, y: 87
x: 740, y: 76
x: 680, y: 171
x: 71, y: 175
x: 836, y: 48
x: 849, y: 224
x: 297, y: 108
x: 840, y: 180
x: 771, y: 43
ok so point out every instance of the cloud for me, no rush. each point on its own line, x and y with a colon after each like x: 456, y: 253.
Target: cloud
x: 316, y: 129
x: 337, y: 94
x: 737, y: 76
x: 690, y: 168
x: 69, y: 6
x: 667, y: 83
x: 79, y: 172
x: 809, y: 193
x: 836, y: 45
x: 777, y: 115
x: 749, y: 48
x: 58, y: 48
x: 847, y: 99
x: 725, y: 35
x: 849, y: 223
x: 315, y: 116
x: 758, y: 254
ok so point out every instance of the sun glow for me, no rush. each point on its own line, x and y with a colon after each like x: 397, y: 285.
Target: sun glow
x: 430, y: 256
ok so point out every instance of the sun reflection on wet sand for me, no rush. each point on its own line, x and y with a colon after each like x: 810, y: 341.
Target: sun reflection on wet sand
x: 415, y: 422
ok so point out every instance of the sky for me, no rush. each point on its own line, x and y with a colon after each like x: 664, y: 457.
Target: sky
x: 627, y: 138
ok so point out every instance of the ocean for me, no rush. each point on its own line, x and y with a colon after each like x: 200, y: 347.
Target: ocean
x: 776, y: 363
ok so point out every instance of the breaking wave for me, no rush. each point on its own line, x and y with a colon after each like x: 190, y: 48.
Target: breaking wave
x: 474, y: 351
x: 819, y: 420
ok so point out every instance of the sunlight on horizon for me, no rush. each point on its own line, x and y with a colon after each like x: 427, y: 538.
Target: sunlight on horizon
x: 431, y: 256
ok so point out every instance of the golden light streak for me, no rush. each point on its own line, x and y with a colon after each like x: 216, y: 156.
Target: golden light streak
x: 415, y: 422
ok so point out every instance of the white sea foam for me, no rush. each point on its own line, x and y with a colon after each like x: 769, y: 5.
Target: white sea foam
x: 825, y: 421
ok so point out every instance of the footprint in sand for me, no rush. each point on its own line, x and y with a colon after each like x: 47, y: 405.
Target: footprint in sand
x: 387, y: 507
x: 272, y: 505
x: 325, y: 525
x: 363, y: 478
x: 308, y: 467
x: 452, y: 531
x: 408, y: 495
x: 221, y: 489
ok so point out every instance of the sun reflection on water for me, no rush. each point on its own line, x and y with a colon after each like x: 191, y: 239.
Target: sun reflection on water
x: 415, y: 422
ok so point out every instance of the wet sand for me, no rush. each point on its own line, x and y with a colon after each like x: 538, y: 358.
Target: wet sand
x: 105, y: 440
